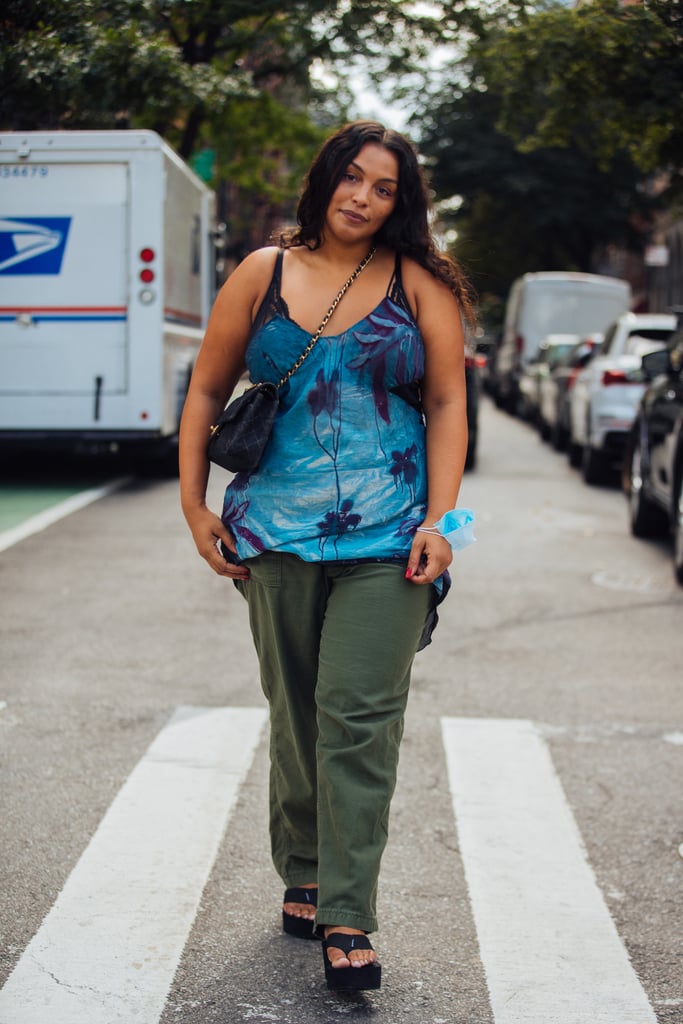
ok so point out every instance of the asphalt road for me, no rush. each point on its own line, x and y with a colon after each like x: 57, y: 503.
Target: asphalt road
x: 533, y: 871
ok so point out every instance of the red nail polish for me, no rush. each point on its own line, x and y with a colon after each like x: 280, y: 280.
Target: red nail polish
x: 408, y: 573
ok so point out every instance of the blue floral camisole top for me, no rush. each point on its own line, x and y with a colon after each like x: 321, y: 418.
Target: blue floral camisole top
x: 344, y: 474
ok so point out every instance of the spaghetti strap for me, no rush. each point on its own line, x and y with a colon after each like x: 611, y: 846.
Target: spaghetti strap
x: 273, y: 304
x: 395, y: 290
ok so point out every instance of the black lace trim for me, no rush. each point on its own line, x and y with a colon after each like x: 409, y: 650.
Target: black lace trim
x: 274, y: 305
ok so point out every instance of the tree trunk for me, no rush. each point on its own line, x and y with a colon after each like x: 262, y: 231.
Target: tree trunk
x: 192, y: 126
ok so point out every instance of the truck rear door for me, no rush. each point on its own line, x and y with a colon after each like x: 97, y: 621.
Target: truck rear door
x: 63, y: 281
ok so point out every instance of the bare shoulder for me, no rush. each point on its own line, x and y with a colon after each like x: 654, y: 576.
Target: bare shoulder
x: 431, y: 300
x: 248, y: 283
x: 417, y: 279
x: 257, y: 266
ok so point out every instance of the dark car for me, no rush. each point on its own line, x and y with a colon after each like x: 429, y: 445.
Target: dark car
x: 653, y: 466
x: 474, y: 362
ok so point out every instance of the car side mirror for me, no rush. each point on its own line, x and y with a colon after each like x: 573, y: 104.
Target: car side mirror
x: 656, y: 363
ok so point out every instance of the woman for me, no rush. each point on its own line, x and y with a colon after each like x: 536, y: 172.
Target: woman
x: 332, y: 540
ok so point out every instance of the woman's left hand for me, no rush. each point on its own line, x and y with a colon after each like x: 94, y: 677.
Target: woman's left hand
x: 430, y: 556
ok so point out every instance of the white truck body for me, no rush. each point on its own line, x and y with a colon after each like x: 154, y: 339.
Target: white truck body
x: 107, y: 275
x: 552, y: 302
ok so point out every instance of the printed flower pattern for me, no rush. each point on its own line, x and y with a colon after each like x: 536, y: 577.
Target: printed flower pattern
x: 324, y: 400
x: 404, y: 468
x: 234, y: 514
x: 338, y: 522
x: 383, y: 337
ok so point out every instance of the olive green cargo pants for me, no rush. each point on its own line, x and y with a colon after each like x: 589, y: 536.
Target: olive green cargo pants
x: 335, y: 644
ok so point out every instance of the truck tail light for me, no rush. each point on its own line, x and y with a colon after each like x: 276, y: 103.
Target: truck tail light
x: 147, y: 274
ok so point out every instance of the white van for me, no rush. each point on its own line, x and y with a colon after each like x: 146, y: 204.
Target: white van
x: 551, y: 302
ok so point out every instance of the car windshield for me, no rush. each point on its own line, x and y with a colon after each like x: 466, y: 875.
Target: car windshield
x: 558, y: 353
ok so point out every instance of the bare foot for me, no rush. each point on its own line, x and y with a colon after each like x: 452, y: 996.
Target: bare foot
x: 305, y: 910
x: 356, y: 958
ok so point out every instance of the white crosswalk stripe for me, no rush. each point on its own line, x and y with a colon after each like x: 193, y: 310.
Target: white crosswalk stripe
x: 550, y: 949
x: 108, y: 949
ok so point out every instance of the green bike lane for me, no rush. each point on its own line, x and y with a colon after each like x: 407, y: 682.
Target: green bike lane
x: 31, y: 500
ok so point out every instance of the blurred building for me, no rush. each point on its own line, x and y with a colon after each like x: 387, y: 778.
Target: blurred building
x: 664, y: 259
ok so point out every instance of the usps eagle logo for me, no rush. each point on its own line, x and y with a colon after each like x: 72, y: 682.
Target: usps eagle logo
x: 33, y: 246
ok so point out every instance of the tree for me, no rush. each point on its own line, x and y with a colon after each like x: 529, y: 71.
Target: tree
x: 604, y: 78
x: 174, y: 64
x: 163, y: 64
x: 535, y: 136
x: 232, y: 75
x: 548, y: 209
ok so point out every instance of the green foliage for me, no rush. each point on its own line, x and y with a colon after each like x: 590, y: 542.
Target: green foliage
x: 548, y: 209
x: 230, y: 75
x: 549, y: 132
x: 546, y: 123
x: 605, y: 78
x: 264, y: 148
x: 172, y: 63
x: 165, y: 64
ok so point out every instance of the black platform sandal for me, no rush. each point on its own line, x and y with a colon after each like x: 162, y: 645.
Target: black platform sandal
x: 350, y: 979
x: 299, y: 927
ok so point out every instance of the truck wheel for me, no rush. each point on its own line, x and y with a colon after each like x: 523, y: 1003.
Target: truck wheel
x: 646, y: 518
x: 678, y: 531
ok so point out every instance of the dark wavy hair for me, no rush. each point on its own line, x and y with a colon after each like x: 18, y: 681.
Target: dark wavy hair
x: 406, y: 231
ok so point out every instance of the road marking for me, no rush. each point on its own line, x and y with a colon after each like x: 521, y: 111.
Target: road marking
x: 637, y: 583
x: 109, y: 947
x: 52, y: 515
x: 550, y: 950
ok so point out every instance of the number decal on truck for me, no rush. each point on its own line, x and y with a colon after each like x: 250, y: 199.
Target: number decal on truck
x: 23, y: 171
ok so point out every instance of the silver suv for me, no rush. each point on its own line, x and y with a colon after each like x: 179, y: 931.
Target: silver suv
x: 605, y: 396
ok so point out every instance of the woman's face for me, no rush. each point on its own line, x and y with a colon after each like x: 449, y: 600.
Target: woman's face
x: 366, y: 195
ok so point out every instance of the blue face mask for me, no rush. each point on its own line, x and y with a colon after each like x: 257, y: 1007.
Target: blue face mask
x: 456, y: 526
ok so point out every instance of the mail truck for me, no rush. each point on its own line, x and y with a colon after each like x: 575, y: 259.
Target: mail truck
x: 107, y: 275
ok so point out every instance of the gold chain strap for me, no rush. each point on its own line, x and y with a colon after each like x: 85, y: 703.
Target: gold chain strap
x: 328, y: 316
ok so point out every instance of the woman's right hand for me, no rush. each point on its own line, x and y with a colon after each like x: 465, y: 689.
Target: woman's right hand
x: 208, y: 531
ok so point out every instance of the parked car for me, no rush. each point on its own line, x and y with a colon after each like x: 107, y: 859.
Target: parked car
x: 473, y: 366
x: 606, y: 393
x: 485, y: 349
x: 555, y: 389
x: 552, y: 350
x: 550, y: 302
x: 653, y: 462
